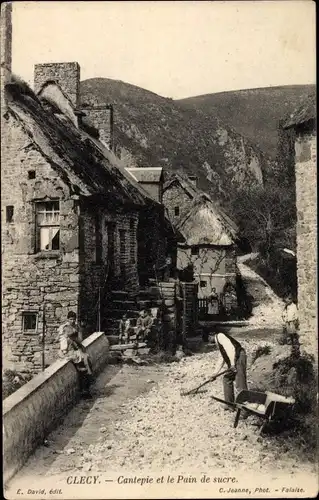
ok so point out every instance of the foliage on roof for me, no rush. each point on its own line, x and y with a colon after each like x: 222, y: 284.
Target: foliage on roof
x: 203, y: 224
x: 304, y: 113
x: 74, y: 154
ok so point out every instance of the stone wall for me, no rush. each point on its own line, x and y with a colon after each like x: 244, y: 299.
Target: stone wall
x: 101, y: 117
x: 154, y: 189
x: 306, y: 193
x: 32, y: 279
x: 175, y: 196
x: 33, y: 411
x: 67, y: 75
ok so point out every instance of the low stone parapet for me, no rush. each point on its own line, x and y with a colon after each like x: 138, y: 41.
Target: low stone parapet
x: 35, y: 409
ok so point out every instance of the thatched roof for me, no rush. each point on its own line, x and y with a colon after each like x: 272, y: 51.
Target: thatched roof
x: 77, y: 158
x: 146, y: 174
x: 203, y: 224
x: 306, y: 112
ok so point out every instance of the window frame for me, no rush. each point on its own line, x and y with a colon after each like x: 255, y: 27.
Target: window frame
x: 51, y: 225
x: 30, y: 331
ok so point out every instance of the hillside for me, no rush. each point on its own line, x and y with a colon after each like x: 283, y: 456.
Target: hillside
x: 153, y: 130
x: 254, y: 113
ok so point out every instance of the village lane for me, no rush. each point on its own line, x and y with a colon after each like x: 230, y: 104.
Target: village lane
x: 138, y: 421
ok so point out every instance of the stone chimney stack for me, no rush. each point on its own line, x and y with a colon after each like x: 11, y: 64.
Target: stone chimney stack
x: 67, y: 75
x: 101, y: 116
x: 6, y: 49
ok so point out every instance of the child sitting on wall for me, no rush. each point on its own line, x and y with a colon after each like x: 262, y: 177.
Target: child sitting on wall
x: 125, y: 328
x: 73, y: 350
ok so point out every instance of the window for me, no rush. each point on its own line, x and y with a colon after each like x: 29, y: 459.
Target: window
x: 48, y: 225
x: 176, y: 211
x: 195, y: 251
x: 203, y: 284
x: 9, y: 213
x: 132, y: 241
x: 29, y: 321
x: 31, y: 174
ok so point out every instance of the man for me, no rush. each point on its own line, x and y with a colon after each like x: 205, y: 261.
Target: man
x: 144, y: 324
x: 70, y: 346
x: 291, y: 323
x: 233, y: 355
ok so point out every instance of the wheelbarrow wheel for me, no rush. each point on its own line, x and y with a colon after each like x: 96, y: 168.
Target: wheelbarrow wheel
x: 265, y: 427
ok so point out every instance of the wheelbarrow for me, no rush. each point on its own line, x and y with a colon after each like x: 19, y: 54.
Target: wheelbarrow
x: 271, y: 407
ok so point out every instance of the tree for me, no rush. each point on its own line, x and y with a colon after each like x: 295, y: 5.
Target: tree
x: 266, y: 218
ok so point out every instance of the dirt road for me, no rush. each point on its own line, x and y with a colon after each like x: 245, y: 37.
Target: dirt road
x: 139, y: 421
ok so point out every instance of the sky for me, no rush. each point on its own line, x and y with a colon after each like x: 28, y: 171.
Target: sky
x: 175, y: 49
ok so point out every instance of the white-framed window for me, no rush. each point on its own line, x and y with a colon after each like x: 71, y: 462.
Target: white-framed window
x: 29, y: 321
x: 48, y: 225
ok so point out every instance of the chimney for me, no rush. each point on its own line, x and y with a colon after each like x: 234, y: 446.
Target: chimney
x: 101, y: 117
x: 67, y: 75
x: 193, y: 179
x: 6, y: 49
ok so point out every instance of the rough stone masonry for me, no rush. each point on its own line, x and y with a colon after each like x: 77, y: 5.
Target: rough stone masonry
x: 306, y: 191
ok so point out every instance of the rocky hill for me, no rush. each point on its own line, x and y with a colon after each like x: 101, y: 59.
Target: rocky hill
x: 150, y: 130
x: 254, y: 113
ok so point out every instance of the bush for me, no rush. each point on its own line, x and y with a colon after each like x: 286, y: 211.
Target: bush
x: 12, y: 381
x: 261, y: 351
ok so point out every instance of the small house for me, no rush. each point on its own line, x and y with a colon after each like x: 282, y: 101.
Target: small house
x: 209, y: 245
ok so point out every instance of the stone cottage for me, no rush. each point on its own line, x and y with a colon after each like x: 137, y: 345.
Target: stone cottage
x: 70, y: 219
x: 302, y: 124
x: 178, y: 195
x: 209, y: 245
